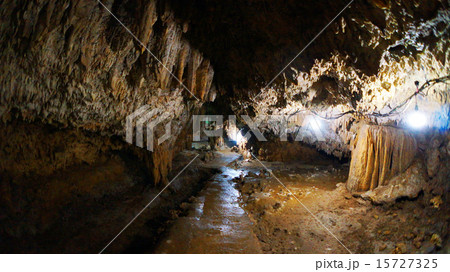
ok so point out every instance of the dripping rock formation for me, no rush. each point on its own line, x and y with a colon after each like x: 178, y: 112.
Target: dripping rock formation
x: 88, y: 86
x: 379, y: 160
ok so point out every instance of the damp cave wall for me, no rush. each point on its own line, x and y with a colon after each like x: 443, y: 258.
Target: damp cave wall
x: 70, y: 75
x: 70, y: 64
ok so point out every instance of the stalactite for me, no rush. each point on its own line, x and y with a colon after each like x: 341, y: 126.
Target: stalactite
x: 95, y: 73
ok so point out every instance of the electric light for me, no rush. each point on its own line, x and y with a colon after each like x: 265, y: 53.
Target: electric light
x: 239, y: 138
x: 416, y: 120
x: 315, y: 124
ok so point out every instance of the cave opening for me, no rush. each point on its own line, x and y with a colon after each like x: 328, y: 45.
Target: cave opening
x: 204, y: 126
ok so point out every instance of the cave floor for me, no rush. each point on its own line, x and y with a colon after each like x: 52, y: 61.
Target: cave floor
x: 215, y: 223
x: 244, y: 209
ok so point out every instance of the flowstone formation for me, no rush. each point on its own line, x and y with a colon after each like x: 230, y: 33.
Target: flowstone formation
x: 379, y: 54
x: 380, y: 153
x: 375, y: 53
x: 382, y: 163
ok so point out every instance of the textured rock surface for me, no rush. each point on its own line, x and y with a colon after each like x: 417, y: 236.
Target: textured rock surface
x: 71, y: 64
x: 276, y: 150
x: 405, y: 185
x: 250, y: 41
x: 380, y: 154
x: 367, y: 61
x: 47, y: 172
x: 437, y: 155
x: 92, y: 73
x: 71, y: 191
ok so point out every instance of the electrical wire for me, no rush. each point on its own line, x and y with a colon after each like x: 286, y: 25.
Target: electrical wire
x: 332, y: 117
x: 427, y: 84
x: 394, y: 111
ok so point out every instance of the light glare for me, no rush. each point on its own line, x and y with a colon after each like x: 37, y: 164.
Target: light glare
x: 315, y: 124
x: 416, y: 120
x: 239, y: 137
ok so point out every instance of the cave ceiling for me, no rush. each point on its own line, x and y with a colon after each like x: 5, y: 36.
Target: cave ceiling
x: 93, y: 73
x: 250, y: 42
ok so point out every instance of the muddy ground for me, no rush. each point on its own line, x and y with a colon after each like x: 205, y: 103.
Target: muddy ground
x: 284, y: 225
x: 223, y: 205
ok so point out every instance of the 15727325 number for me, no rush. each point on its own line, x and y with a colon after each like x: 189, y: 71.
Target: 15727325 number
x: 407, y: 263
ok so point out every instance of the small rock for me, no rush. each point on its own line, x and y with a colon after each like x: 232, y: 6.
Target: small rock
x: 184, y: 206
x: 417, y: 244
x: 276, y: 206
x: 400, y: 248
x: 428, y: 247
x: 436, y: 201
x: 436, y: 240
x: 375, y: 216
x: 173, y: 214
x: 241, y: 177
x: 382, y: 247
x: 361, y: 201
x: 409, y: 236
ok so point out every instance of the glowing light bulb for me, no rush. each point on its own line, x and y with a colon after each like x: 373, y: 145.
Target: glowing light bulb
x: 416, y: 120
x: 316, y: 125
x: 239, y: 137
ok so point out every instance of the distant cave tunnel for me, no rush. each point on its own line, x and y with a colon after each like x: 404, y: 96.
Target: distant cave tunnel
x: 134, y: 126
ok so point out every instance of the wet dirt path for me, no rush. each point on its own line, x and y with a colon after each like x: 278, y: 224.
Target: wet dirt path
x: 244, y: 209
x: 215, y: 222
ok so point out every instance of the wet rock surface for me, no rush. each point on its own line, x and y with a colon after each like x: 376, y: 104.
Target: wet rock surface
x: 215, y: 222
x: 71, y: 74
x: 71, y: 64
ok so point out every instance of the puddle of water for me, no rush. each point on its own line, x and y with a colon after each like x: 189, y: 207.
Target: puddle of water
x: 230, y: 173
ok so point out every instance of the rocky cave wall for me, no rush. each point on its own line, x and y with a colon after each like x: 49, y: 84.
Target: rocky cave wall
x: 410, y: 48
x: 366, y: 63
x: 72, y: 65
x: 70, y: 75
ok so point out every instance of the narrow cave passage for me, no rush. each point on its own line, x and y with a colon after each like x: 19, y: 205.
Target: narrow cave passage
x: 151, y: 126
x: 214, y: 222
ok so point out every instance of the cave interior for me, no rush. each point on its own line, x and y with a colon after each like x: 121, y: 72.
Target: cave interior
x: 220, y: 126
